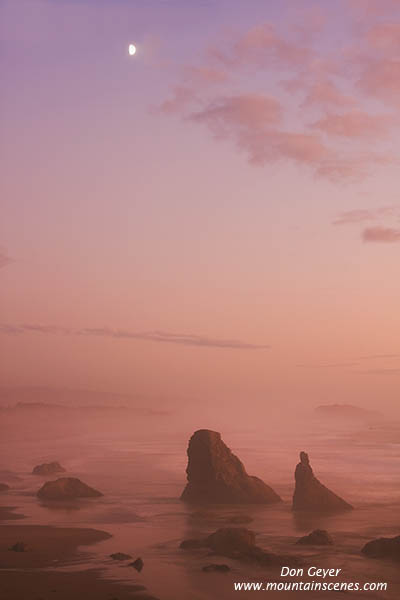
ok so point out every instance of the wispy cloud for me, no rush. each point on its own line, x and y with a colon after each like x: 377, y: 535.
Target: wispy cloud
x: 361, y: 215
x: 386, y: 235
x: 4, y: 258
x: 328, y: 365
x: 354, y: 124
x: 379, y: 372
x: 379, y: 356
x: 153, y: 336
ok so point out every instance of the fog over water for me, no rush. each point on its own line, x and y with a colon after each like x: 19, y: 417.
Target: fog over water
x: 138, y: 461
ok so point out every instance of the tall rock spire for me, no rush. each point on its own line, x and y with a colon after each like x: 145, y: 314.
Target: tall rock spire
x: 310, y: 494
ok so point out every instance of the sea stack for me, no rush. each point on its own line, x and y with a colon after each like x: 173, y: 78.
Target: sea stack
x: 311, y: 495
x: 216, y: 476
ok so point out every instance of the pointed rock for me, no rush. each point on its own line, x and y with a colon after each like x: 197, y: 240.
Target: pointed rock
x: 67, y: 488
x: 215, y: 475
x: 311, y: 495
x: 137, y: 564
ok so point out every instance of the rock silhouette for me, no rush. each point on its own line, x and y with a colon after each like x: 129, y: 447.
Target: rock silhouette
x: 311, y: 495
x: 19, y: 547
x: 48, y: 469
x: 215, y: 475
x: 67, y: 488
x: 191, y: 544
x: 214, y: 568
x: 4, y: 487
x: 239, y: 543
x: 137, y: 564
x: 232, y: 541
x: 120, y: 556
x: 383, y: 548
x: 318, y: 537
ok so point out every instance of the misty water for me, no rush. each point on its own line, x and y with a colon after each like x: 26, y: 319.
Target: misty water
x: 139, y: 462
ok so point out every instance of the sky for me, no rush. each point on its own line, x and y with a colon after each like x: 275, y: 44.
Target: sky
x: 214, y: 221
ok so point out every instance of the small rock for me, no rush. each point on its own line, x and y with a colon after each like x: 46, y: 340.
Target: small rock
x: 66, y: 488
x: 239, y: 543
x: 137, y: 564
x: 48, y: 469
x: 216, y: 568
x: 4, y: 487
x: 191, y: 544
x: 240, y: 519
x: 19, y: 547
x: 120, y: 556
x: 228, y: 540
x: 383, y: 548
x: 318, y: 537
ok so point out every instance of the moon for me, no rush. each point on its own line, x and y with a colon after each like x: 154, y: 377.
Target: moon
x: 132, y: 49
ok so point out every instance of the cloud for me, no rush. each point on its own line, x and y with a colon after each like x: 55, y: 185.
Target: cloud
x: 360, y: 215
x: 262, y: 45
x: 380, y: 372
x: 354, y: 216
x: 251, y: 121
x: 204, y: 75
x: 354, y: 124
x: 4, y: 258
x: 243, y: 112
x: 327, y: 366
x: 381, y: 78
x: 370, y: 9
x: 379, y: 356
x: 381, y: 235
x: 385, y: 37
x: 226, y: 94
x: 153, y: 336
x: 324, y: 93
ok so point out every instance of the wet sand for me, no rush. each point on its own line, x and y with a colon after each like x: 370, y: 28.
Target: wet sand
x: 7, y: 514
x: 33, y: 574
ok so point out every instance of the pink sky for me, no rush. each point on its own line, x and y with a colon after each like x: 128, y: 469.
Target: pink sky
x: 216, y: 218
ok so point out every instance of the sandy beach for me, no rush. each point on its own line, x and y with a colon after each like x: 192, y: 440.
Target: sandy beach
x: 7, y: 514
x: 33, y: 574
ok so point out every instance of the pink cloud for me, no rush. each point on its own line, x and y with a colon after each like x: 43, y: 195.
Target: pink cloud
x: 269, y: 146
x: 381, y: 234
x: 251, y: 120
x: 257, y: 123
x: 361, y: 215
x: 354, y: 124
x: 309, y: 22
x: 205, y: 75
x: 247, y: 111
x: 263, y: 45
x: 353, y: 216
x: 324, y: 93
x: 366, y: 9
x: 385, y: 37
x: 381, y: 78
